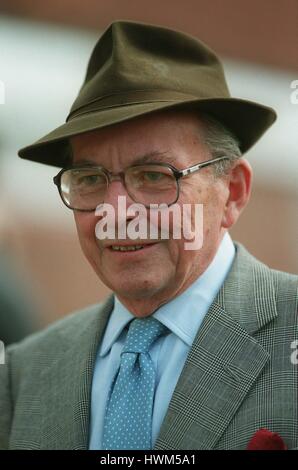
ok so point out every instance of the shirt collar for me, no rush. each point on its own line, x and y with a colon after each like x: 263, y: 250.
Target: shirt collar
x: 184, y: 314
x: 118, y: 320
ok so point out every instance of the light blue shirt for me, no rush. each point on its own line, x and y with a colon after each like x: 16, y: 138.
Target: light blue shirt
x: 183, y: 317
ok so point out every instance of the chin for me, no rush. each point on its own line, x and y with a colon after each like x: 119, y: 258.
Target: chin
x: 136, y: 289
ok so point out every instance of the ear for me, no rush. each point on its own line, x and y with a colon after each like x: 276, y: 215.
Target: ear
x: 239, y: 189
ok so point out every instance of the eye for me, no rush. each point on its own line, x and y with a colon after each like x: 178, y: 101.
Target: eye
x: 90, y: 179
x: 87, y: 179
x: 152, y: 176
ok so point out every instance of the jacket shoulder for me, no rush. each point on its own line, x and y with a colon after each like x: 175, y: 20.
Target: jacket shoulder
x: 255, y: 294
x: 283, y: 281
x: 66, y: 327
x: 41, y: 349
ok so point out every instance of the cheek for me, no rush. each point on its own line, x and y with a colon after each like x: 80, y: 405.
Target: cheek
x: 179, y: 257
x: 193, y: 205
x: 85, y: 224
x: 206, y: 219
x: 191, y: 194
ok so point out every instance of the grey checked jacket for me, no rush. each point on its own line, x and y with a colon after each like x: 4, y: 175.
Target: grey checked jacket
x: 238, y: 376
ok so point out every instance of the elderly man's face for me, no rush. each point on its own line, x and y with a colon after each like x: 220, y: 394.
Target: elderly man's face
x: 145, y: 279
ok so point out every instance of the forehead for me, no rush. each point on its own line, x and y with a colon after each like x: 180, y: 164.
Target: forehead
x: 162, y: 134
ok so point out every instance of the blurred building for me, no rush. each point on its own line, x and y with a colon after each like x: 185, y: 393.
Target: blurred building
x: 44, y: 49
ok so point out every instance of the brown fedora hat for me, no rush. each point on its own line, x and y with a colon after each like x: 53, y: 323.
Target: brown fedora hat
x: 137, y: 69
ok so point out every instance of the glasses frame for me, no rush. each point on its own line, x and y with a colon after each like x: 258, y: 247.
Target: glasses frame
x: 178, y: 174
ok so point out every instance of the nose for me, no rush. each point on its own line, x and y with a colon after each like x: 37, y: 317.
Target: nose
x: 115, y: 189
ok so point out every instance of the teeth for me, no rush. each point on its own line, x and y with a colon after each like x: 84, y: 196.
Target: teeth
x: 127, y: 248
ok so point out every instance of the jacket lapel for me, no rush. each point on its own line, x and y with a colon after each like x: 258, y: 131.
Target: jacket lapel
x: 66, y: 385
x: 224, y: 361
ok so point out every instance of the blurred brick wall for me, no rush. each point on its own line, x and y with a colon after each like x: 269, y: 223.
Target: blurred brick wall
x: 264, y: 31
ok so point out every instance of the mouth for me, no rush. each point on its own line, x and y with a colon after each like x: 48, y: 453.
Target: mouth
x: 130, y: 248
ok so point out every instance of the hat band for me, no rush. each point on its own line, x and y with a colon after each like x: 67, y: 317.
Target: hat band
x: 132, y: 97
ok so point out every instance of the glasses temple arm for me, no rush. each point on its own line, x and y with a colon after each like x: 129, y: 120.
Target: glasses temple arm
x: 198, y: 166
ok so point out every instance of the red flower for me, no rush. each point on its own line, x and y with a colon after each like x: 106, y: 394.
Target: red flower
x: 266, y: 440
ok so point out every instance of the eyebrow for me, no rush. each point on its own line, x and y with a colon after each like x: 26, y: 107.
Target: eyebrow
x: 151, y: 157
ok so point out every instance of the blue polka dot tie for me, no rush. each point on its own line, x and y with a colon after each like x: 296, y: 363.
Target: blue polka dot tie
x: 128, y: 420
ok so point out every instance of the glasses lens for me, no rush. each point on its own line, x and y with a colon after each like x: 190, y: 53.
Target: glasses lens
x: 83, y: 188
x: 151, y: 184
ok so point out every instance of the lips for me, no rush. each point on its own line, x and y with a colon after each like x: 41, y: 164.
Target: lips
x: 128, y: 247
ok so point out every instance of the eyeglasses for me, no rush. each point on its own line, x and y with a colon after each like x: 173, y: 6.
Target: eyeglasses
x: 84, y: 188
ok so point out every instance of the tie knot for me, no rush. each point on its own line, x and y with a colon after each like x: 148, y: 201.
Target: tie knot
x: 142, y: 333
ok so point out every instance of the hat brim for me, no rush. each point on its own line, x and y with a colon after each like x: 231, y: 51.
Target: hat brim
x: 247, y: 120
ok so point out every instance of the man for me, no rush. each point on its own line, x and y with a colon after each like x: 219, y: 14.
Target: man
x: 193, y: 350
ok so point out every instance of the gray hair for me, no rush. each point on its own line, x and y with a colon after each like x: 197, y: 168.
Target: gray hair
x: 221, y: 142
